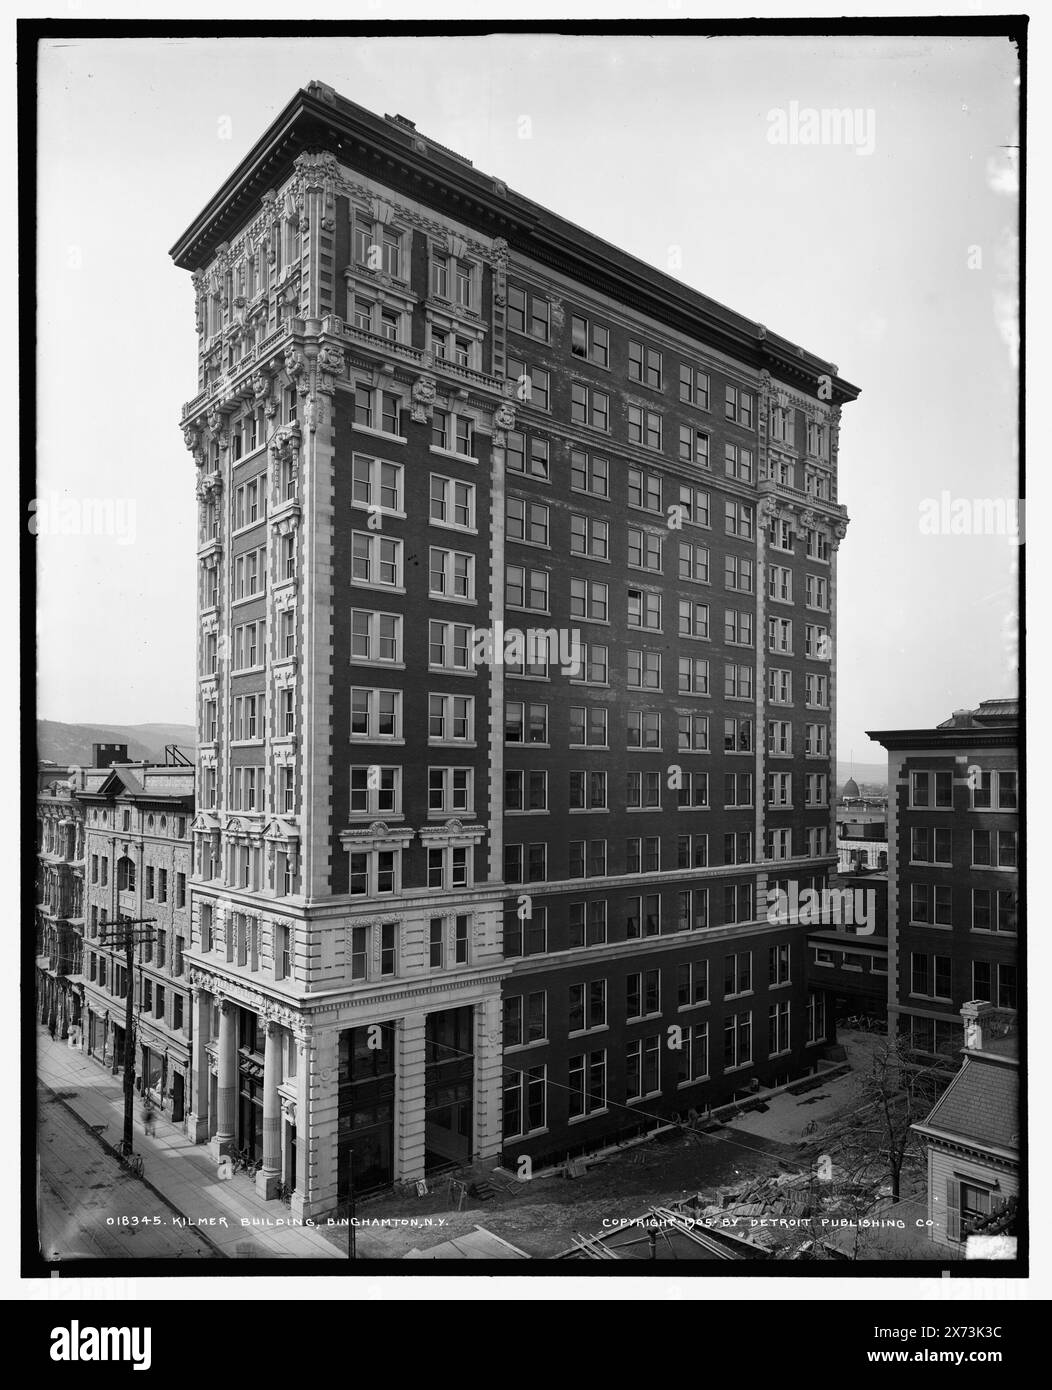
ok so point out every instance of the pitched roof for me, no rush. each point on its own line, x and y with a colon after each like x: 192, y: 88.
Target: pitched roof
x: 981, y: 1104
x: 120, y: 779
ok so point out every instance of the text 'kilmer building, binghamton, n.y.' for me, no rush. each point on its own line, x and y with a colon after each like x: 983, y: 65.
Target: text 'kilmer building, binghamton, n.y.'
x: 455, y: 897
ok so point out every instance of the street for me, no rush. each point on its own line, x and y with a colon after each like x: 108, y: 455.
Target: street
x: 89, y: 1206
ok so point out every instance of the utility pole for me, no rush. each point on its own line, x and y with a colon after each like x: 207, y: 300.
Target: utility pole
x: 122, y: 934
x: 352, y: 1243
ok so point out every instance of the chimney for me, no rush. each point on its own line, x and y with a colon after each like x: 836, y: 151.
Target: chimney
x: 106, y: 754
x: 976, y: 1016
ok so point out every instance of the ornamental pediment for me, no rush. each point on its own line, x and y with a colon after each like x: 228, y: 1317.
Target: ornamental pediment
x: 279, y: 829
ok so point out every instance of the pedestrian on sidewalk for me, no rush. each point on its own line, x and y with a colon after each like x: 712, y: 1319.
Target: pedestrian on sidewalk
x: 147, y: 1118
x: 51, y: 1028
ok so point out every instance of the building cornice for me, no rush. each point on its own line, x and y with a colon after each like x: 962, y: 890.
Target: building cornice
x: 933, y: 740
x: 319, y: 120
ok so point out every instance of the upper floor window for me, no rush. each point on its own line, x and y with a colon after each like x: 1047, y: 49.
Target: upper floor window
x: 738, y: 406
x: 378, y: 247
x: 529, y: 312
x: 533, y: 384
x: 375, y: 637
x: 644, y: 427
x: 644, y: 365
x: 931, y: 789
x: 589, y: 407
x: 452, y: 503
x: 694, y: 386
x: 376, y: 790
x: 817, y: 440
x: 376, y: 409
x: 589, y: 340
x: 455, y: 279
x: 453, y: 433
x: 375, y: 560
x: 376, y: 484
x: 737, y: 462
x: 588, y: 474
x: 783, y: 425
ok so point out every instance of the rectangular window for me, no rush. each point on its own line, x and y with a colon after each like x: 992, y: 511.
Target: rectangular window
x: 527, y: 521
x: 693, y: 619
x: 644, y: 427
x: 525, y: 1101
x: 587, y: 1006
x: 376, y: 790
x: 644, y: 549
x: 376, y: 485
x: 452, y: 573
x: 643, y: 1067
x: 590, y: 341
x: 693, y: 386
x: 525, y: 791
x: 587, y: 1084
x: 588, y: 726
x: 589, y: 537
x: 739, y: 406
x: 588, y: 474
x: 739, y: 520
x: 644, y: 365
x: 375, y: 560
x: 694, y: 562
x: 694, y: 446
x: 778, y: 1037
x: 452, y: 502
x: 737, y: 1041
x: 931, y: 789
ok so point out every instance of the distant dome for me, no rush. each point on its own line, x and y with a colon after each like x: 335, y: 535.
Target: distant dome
x: 851, y: 789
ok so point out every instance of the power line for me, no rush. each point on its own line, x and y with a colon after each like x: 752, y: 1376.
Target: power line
x: 635, y: 1110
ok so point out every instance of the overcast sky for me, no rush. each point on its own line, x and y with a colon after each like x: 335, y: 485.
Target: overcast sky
x: 896, y: 264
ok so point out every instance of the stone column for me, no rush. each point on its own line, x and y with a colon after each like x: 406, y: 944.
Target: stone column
x: 268, y: 1177
x: 489, y: 1079
x: 410, y: 1093
x: 317, y: 1127
x: 200, y: 1028
x: 222, y: 1141
x: 299, y: 1115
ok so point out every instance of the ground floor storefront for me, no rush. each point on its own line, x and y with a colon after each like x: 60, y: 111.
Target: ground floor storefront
x: 162, y: 1061
x: 59, y: 1002
x: 355, y: 1096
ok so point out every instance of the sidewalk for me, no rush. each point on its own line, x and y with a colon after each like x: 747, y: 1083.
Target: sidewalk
x: 182, y: 1171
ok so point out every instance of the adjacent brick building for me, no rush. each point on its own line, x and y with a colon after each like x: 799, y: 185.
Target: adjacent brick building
x: 953, y: 897
x: 59, y: 906
x: 447, y: 908
x: 137, y: 853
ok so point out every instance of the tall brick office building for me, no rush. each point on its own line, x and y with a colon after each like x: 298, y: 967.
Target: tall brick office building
x: 445, y: 910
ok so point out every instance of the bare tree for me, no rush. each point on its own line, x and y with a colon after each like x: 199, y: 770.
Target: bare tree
x: 898, y: 1092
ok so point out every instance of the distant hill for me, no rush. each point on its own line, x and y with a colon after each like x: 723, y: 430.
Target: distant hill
x: 69, y: 744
